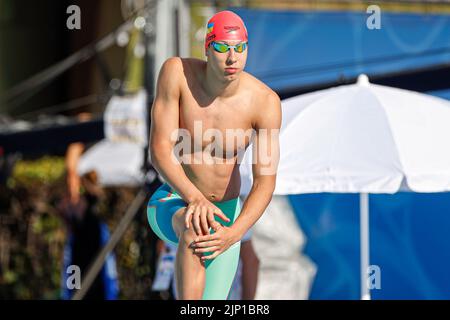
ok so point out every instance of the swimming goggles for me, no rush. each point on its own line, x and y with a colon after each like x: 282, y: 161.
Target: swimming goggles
x: 223, y: 47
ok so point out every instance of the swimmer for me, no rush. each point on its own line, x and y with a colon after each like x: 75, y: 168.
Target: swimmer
x: 198, y: 207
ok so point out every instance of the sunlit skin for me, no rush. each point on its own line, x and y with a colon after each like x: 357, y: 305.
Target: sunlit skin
x: 221, y: 95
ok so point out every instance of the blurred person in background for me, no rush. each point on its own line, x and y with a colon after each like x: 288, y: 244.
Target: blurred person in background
x: 87, y: 233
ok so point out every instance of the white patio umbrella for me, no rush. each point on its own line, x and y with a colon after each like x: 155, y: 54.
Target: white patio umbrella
x: 362, y: 138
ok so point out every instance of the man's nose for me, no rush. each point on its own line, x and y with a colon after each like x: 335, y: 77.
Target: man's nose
x: 232, y: 56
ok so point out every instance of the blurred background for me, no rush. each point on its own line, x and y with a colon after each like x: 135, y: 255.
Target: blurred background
x: 77, y: 81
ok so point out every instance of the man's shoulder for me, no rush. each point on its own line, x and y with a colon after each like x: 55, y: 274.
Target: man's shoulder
x: 193, y: 61
x: 179, y: 68
x: 261, y: 91
x: 181, y: 63
x: 172, y: 62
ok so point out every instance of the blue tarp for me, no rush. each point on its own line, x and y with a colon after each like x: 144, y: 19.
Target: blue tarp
x: 296, y: 48
x: 408, y: 242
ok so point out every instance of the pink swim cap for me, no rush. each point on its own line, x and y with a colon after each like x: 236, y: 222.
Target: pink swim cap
x: 225, y: 25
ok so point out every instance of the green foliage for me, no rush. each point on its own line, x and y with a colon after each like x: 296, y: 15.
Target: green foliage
x: 46, y: 171
x: 35, y: 234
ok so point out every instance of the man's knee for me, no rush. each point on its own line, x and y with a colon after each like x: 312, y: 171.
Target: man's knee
x: 178, y: 221
x: 185, y: 235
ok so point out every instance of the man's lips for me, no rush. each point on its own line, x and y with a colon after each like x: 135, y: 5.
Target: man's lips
x: 231, y: 70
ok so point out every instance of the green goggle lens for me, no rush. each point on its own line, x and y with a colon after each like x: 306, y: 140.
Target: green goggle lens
x: 223, y: 47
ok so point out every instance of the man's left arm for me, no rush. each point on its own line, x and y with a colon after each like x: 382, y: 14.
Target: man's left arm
x: 265, y: 151
x: 265, y: 158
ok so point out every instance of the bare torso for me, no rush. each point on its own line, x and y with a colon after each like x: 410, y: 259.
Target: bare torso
x: 219, y: 179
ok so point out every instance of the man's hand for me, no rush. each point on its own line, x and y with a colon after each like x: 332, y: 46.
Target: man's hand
x: 202, y: 212
x: 223, y: 238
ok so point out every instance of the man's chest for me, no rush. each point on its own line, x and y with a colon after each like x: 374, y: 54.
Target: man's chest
x: 221, y: 125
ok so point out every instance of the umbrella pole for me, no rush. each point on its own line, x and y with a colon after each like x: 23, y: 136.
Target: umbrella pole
x: 364, y: 243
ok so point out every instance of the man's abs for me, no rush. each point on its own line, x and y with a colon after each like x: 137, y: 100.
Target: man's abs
x: 217, y: 182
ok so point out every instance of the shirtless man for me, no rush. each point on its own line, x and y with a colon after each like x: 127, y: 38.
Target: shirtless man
x: 198, y: 207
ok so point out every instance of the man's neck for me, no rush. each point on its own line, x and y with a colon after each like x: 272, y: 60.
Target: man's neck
x: 216, y: 87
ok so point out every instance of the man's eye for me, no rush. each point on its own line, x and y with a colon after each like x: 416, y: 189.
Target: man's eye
x: 222, y: 47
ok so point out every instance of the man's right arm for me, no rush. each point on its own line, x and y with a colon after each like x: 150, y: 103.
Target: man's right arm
x: 164, y: 122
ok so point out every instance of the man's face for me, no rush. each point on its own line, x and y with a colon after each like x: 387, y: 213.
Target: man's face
x: 230, y: 64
